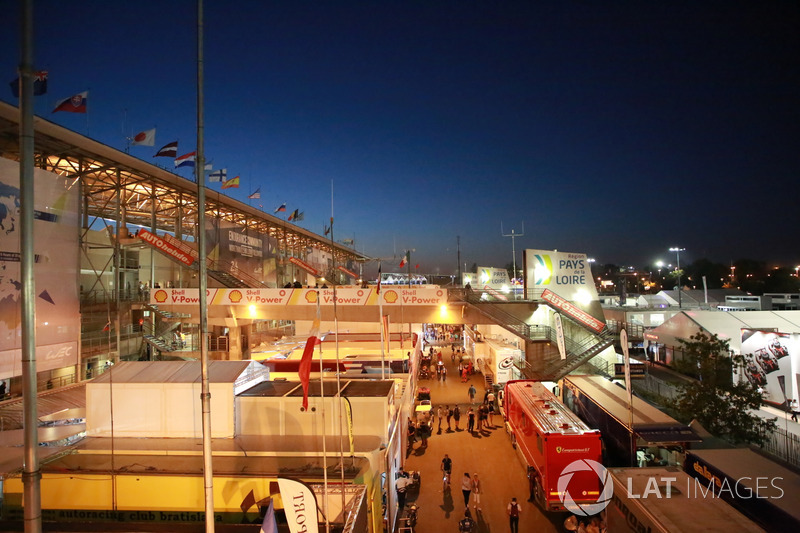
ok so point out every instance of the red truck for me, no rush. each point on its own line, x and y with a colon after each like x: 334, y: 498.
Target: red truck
x: 549, y: 438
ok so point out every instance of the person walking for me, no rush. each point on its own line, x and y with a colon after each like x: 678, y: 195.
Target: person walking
x: 423, y: 429
x: 412, y: 434
x: 439, y: 417
x: 471, y: 420
x: 447, y: 469
x: 449, y: 416
x: 466, y: 488
x: 467, y: 524
x: 476, y: 492
x: 401, y: 485
x: 456, y: 415
x: 513, y: 511
x: 490, y: 409
x: 795, y: 410
x: 472, y: 391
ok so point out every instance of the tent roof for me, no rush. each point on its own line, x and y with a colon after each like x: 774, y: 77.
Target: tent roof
x: 728, y: 325
x: 173, y: 372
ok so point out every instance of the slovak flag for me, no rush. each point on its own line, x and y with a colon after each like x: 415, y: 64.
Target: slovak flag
x: 73, y: 104
x: 186, y: 160
x: 144, y: 138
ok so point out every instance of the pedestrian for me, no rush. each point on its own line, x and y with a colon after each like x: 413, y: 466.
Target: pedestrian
x: 439, y: 417
x: 467, y: 524
x: 444, y: 372
x: 476, y: 492
x: 471, y: 393
x: 513, y: 511
x: 449, y: 416
x: 423, y: 429
x: 490, y: 408
x: 447, y: 468
x: 795, y: 410
x: 401, y: 485
x: 471, y: 420
x: 412, y: 434
x: 453, y: 355
x: 481, y: 417
x: 486, y: 395
x: 456, y: 415
x: 490, y: 397
x: 466, y: 488
x: 464, y: 375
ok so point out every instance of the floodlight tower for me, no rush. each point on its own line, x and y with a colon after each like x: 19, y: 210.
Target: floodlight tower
x: 513, y: 251
x: 678, y: 251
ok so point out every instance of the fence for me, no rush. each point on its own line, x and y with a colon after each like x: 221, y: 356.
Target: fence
x: 784, y: 445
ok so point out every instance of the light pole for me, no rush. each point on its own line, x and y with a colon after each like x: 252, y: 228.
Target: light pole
x: 678, y: 251
x: 513, y: 249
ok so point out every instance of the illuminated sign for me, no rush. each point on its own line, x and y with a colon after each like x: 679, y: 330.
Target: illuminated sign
x: 165, y: 247
x: 572, y: 310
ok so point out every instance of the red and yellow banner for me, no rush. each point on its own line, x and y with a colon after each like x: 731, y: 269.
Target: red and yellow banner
x: 284, y: 297
x: 173, y: 251
x: 305, y: 266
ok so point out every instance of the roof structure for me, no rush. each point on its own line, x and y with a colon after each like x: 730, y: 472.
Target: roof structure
x: 728, y: 325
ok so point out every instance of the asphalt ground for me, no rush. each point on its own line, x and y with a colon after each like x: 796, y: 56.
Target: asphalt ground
x: 488, y: 453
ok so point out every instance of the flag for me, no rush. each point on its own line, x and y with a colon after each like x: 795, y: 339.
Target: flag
x: 144, y: 138
x: 294, y: 215
x: 39, y: 84
x: 404, y: 260
x: 218, y: 175
x: 348, y: 242
x: 232, y: 183
x: 73, y: 104
x: 379, y: 279
x: 300, y: 216
x: 304, y: 372
x: 269, y: 525
x: 300, y: 505
x: 107, y: 327
x: 327, y: 229
x: 168, y: 150
x: 256, y: 194
x: 281, y: 208
x: 186, y: 160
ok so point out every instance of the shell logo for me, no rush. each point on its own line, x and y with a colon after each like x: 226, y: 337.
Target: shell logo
x: 235, y: 297
x: 160, y: 296
x: 390, y: 297
x: 311, y: 297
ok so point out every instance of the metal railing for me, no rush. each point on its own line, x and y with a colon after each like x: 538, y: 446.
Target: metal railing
x: 783, y: 445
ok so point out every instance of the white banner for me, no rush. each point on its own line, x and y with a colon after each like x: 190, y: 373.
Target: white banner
x: 300, y: 506
x: 562, y: 346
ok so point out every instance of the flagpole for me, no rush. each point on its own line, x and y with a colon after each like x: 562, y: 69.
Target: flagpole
x: 338, y: 374
x: 205, y: 393
x: 380, y: 322
x: 324, y: 425
x: 31, y: 474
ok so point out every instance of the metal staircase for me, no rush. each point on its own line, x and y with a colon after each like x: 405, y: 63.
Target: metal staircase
x: 224, y: 272
x: 550, y: 369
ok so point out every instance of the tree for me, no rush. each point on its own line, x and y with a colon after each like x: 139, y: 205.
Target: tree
x: 724, y: 408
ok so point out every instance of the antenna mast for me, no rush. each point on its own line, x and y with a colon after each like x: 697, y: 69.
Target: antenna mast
x: 513, y: 236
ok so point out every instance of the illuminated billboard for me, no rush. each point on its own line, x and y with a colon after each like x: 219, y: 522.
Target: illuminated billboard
x: 771, y: 362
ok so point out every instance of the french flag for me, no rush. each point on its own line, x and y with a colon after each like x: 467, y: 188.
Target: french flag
x: 73, y: 104
x: 186, y: 160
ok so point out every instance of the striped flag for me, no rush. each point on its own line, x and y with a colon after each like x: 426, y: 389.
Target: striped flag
x: 256, y: 194
x: 232, y: 183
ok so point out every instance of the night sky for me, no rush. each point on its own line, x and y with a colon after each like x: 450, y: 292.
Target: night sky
x: 618, y: 129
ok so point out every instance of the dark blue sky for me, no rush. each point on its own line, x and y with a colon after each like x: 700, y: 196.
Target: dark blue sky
x: 617, y: 129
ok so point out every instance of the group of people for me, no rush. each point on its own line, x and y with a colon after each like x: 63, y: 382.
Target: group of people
x: 594, y: 524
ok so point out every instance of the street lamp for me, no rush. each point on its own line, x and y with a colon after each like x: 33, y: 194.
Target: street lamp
x: 678, y: 254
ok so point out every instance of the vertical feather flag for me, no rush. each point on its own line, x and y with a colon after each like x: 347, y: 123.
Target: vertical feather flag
x: 379, y: 279
x: 305, y: 363
x: 269, y: 525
